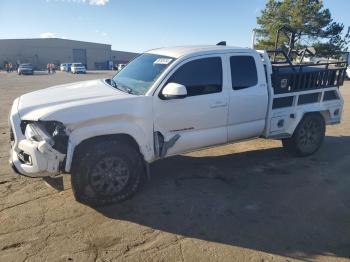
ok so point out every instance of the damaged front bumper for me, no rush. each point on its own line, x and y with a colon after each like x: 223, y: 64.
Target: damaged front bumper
x: 29, y: 157
x: 36, y: 159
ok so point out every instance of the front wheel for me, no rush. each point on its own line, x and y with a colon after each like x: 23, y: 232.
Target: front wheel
x: 307, y: 137
x: 106, y: 172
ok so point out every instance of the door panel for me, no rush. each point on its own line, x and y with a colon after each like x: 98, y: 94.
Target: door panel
x: 198, y: 123
x: 200, y: 119
x: 248, y: 97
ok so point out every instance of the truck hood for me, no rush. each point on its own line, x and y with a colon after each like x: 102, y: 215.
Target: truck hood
x: 43, y: 104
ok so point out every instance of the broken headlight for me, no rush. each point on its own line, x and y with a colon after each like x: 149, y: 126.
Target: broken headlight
x: 58, y: 134
x: 35, y: 131
x: 60, y: 137
x: 53, y: 132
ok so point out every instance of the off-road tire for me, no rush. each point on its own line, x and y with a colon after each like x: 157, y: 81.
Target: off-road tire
x: 307, y: 137
x: 87, y: 167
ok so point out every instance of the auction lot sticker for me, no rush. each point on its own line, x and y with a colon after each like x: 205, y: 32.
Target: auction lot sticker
x: 163, y: 61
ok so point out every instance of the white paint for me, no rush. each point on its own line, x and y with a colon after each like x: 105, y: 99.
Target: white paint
x: 201, y: 120
x: 174, y: 89
x: 93, y: 108
x: 248, y: 106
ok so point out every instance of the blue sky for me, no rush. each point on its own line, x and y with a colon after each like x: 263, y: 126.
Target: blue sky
x: 139, y: 25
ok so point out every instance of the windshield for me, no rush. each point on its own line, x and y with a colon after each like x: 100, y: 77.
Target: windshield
x: 77, y: 64
x: 139, y: 75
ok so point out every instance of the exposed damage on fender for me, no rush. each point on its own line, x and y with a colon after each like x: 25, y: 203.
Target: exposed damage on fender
x: 160, y: 146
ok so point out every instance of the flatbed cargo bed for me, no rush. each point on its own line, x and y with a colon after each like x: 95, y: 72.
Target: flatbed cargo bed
x: 288, y: 77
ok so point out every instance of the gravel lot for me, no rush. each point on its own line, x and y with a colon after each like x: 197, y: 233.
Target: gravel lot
x: 244, y: 202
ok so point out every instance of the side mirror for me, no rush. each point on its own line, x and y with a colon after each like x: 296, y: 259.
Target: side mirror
x: 174, y: 91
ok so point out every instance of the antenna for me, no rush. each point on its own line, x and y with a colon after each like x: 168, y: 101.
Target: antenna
x: 253, y: 38
x: 222, y: 43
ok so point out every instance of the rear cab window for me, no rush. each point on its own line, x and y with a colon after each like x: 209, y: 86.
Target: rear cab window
x: 200, y: 77
x: 243, y: 72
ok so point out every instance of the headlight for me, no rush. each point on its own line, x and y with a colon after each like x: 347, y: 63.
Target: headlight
x: 53, y: 132
x: 36, y: 132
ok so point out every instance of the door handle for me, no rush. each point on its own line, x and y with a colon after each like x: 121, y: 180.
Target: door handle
x: 218, y: 104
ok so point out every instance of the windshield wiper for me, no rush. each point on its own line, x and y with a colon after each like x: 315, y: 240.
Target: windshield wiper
x: 128, y: 90
x: 111, y: 82
x: 122, y: 88
x: 114, y: 84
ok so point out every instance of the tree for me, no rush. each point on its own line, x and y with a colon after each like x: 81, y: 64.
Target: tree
x: 311, y: 23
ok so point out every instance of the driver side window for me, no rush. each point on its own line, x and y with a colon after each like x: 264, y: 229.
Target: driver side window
x: 200, y: 77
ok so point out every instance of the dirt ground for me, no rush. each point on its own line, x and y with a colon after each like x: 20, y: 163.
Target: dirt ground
x: 244, y: 202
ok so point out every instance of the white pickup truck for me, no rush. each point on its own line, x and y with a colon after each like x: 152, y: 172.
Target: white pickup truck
x: 166, y: 102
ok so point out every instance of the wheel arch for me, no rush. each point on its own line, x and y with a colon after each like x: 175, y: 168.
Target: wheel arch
x: 140, y: 134
x: 125, y: 138
x: 325, y: 114
x: 139, y: 142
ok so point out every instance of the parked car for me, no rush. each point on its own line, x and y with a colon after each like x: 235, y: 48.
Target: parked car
x: 348, y: 72
x: 78, y: 68
x: 167, y: 102
x: 65, y: 67
x: 121, y: 66
x: 25, y: 69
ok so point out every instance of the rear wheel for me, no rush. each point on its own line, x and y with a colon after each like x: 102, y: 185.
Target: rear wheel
x: 307, y: 137
x: 106, y: 172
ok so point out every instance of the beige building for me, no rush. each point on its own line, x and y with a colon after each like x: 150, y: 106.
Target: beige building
x: 42, y: 51
x: 121, y: 57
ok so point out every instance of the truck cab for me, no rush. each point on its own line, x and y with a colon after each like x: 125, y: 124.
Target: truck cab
x: 165, y: 102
